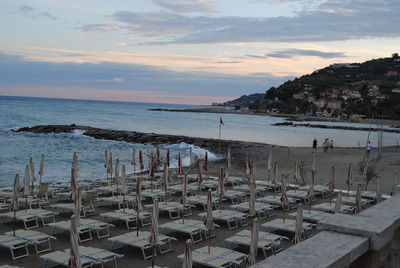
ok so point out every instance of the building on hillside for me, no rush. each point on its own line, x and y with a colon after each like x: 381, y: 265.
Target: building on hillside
x: 320, y: 102
x: 334, y: 104
x: 310, y: 98
x: 374, y: 91
x: 392, y: 73
x: 396, y: 90
x: 382, y: 97
x: 298, y: 96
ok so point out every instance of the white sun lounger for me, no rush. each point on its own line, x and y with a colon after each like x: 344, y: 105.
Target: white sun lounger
x: 192, y: 188
x: 86, y: 210
x: 142, y: 242
x: 276, y: 201
x: 330, y: 208
x: 174, y: 209
x: 313, y: 216
x: 274, y: 238
x: 318, y: 189
x: 351, y: 201
x: 260, y: 190
x: 31, y: 217
x: 235, y: 196
x: 202, y: 201
x: 9, y: 266
x: 116, y: 200
x: 86, y: 227
x: 232, y: 218
x: 14, y: 244
x: 99, y: 255
x: 36, y: 238
x: 263, y: 210
x: 276, y: 187
x: 235, y: 181
x: 217, y: 258
x: 287, y: 226
x: 128, y: 216
x: 302, y: 196
x: 62, y: 258
x: 193, y: 228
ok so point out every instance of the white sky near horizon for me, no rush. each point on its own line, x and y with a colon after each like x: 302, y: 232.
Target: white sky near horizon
x: 183, y: 51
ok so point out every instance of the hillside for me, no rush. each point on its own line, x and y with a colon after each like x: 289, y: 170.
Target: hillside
x: 369, y: 89
x: 243, y: 101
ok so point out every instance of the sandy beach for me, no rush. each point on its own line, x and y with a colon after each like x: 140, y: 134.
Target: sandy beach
x: 386, y: 168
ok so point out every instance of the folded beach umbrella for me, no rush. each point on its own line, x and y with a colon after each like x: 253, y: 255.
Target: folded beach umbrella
x: 299, y: 225
x: 187, y: 259
x: 378, y: 190
x: 228, y: 158
x: 167, y: 158
x: 349, y: 180
x: 297, y: 172
x: 205, y: 166
x: 74, y: 177
x: 14, y: 201
x: 358, y: 198
x: 275, y: 173
x: 141, y: 161
x: 332, y: 179
x: 338, y: 202
x: 116, y: 171
x: 78, y: 205
x: 137, y: 203
x: 208, y: 221
x: 151, y: 169
x: 166, y: 180
x: 124, y: 186
x: 153, y: 237
x: 269, y: 166
x: 184, y: 190
x: 252, y: 199
x: 110, y: 164
x: 251, y: 258
x: 41, y: 168
x: 311, y: 189
x: 27, y: 187
x: 284, y: 198
x: 106, y: 162
x: 221, y: 187
x: 74, y: 259
x: 248, y: 171
x: 226, y: 174
x: 158, y: 156
x: 191, y: 156
x: 32, y: 170
x: 134, y: 160
x: 180, y: 168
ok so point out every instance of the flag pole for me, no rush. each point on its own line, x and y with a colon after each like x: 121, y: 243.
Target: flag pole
x: 219, y: 141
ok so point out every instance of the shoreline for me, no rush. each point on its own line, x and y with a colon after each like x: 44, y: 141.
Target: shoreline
x: 288, y: 117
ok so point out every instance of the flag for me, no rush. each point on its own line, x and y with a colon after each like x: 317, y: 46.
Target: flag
x: 221, y: 122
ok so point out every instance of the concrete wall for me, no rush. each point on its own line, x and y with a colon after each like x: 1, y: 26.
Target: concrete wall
x: 370, y: 239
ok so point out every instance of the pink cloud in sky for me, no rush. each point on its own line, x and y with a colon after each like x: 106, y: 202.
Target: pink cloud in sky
x: 109, y: 95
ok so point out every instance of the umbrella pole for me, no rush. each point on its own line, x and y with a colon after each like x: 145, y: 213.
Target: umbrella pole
x: 26, y: 201
x: 220, y: 203
x: 15, y: 216
x: 124, y: 203
x: 137, y: 223
x: 152, y: 259
x: 209, y: 241
x: 284, y: 212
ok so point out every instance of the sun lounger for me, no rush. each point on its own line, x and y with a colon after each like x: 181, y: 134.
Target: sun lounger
x: 263, y: 210
x: 202, y: 201
x: 129, y: 216
x: 302, y: 196
x: 260, y: 190
x: 62, y: 258
x: 99, y: 255
x: 275, y: 200
x: 193, y: 228
x: 14, y: 244
x: 116, y: 200
x: 142, y: 242
x: 269, y: 185
x: 313, y: 216
x: 235, y: 181
x: 87, y: 208
x: 275, y: 239
x: 235, y: 196
x: 318, y: 189
x: 218, y: 257
x: 85, y: 229
x: 192, y: 188
x: 156, y: 194
x: 9, y: 266
x: 31, y: 217
x: 287, y: 226
x: 351, y: 201
x: 174, y: 209
x: 330, y: 208
x: 232, y: 218
x: 36, y: 238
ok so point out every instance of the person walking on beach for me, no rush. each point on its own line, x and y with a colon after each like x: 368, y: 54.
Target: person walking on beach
x: 314, y: 145
x: 331, y: 145
x: 368, y: 148
x: 325, y: 145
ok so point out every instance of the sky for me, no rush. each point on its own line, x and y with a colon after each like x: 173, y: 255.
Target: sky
x: 183, y: 51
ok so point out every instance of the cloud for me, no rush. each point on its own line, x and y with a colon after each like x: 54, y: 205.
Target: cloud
x: 98, y: 28
x: 232, y: 61
x: 290, y: 53
x: 29, y: 12
x: 326, y: 22
x: 128, y: 77
x: 186, y: 6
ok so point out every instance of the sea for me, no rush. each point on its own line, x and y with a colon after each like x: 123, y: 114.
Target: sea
x: 17, y: 148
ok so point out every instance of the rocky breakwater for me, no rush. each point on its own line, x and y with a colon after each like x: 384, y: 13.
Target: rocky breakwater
x: 238, y: 148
